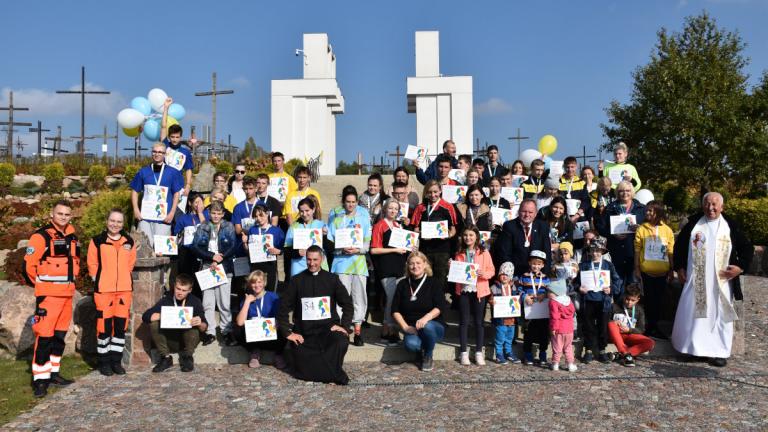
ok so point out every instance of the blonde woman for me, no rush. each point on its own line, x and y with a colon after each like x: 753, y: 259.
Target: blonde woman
x: 259, y: 303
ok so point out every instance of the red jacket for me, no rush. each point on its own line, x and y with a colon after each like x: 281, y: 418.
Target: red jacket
x: 561, y: 317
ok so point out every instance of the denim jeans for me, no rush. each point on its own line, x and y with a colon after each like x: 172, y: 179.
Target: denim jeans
x: 505, y: 334
x: 425, y: 339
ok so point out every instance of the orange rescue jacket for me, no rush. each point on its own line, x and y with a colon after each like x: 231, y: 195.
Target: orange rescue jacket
x: 110, y: 262
x: 53, y: 261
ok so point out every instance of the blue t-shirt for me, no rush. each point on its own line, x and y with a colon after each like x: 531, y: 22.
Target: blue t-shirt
x: 265, y: 307
x: 171, y: 178
x: 243, y: 210
x: 299, y: 264
x: 188, y: 162
x: 278, y: 238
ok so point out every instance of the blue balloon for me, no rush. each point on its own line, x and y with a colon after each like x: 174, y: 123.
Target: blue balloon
x: 177, y: 111
x: 547, y: 162
x: 141, y: 104
x: 152, y: 130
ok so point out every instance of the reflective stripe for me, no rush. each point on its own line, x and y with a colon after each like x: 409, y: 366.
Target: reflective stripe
x: 53, y: 279
x: 54, y: 368
x: 41, y: 376
x: 36, y: 368
x: 103, y: 342
x: 118, y: 340
x: 102, y: 350
x: 116, y: 348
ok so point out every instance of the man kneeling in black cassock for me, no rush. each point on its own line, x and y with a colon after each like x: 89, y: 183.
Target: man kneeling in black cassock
x: 319, y: 339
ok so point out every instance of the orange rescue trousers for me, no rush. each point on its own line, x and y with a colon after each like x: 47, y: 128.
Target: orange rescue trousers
x: 52, y: 317
x: 112, y: 311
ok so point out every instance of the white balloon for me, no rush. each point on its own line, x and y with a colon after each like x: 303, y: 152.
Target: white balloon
x: 129, y: 118
x: 157, y: 98
x: 644, y: 196
x: 528, y: 156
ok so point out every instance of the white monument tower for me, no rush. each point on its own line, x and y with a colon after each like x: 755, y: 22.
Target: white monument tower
x: 304, y: 110
x: 443, y: 104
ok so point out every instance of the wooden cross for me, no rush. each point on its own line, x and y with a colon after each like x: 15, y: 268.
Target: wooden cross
x: 19, y: 146
x: 39, y: 129
x: 518, y: 138
x: 137, y: 148
x: 584, y: 156
x: 480, y: 151
x: 57, y: 140
x: 82, y: 92
x: 397, y: 155
x: 213, y: 93
x: 10, y: 123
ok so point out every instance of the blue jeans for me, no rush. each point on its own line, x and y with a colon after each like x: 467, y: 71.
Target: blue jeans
x: 425, y: 339
x: 505, y: 334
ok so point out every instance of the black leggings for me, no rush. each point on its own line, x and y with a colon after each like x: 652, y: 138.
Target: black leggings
x: 536, y: 332
x: 595, y: 329
x: 470, y: 304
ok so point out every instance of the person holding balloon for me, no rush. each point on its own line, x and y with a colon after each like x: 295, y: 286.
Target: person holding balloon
x: 620, y: 170
x: 170, y: 135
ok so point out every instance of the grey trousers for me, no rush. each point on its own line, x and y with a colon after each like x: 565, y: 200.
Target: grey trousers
x: 355, y: 285
x: 151, y: 229
x: 218, y: 297
x: 390, y: 286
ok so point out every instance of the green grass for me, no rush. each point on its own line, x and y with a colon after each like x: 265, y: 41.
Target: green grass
x: 3, y: 276
x: 16, y: 390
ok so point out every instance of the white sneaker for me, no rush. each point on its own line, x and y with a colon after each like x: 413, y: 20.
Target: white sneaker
x: 480, y: 358
x: 555, y: 366
x: 464, y: 358
x: 572, y: 367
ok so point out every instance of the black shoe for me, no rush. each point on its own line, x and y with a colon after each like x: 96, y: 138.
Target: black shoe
x: 603, y: 358
x: 229, y: 340
x: 718, y: 361
x: 105, y: 369
x: 40, y: 388
x: 187, y: 363
x: 628, y: 361
x: 163, y: 364
x: 587, y: 358
x: 427, y: 364
x: 208, y: 339
x: 393, y: 340
x: 118, y: 368
x: 60, y: 381
x: 365, y: 324
x: 358, y: 340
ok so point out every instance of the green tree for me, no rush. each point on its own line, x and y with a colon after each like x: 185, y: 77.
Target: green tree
x: 690, y: 118
x: 251, y: 150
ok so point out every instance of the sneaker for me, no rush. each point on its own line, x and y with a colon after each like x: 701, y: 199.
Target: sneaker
x: 603, y: 358
x: 105, y: 369
x: 365, y: 324
x: 358, y: 340
x: 187, y: 363
x: 254, y: 362
x: 718, y: 362
x: 628, y: 361
x: 464, y: 358
x: 59, y: 381
x: 393, y: 340
x: 40, y: 388
x: 587, y: 358
x: 543, y: 357
x: 163, y: 364
x: 229, y: 340
x: 528, y: 358
x: 427, y: 364
x: 118, y: 368
x: 501, y: 360
x: 555, y: 366
x: 279, y: 362
x: 513, y: 358
x: 208, y: 339
x: 480, y: 358
x: 572, y: 367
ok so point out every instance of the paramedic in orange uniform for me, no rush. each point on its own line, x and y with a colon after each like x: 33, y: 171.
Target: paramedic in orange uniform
x: 52, y: 263
x: 111, y: 257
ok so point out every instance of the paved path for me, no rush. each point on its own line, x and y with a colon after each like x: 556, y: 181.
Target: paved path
x: 659, y: 394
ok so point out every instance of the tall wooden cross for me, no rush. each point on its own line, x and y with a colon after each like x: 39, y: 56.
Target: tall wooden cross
x: 518, y: 138
x: 480, y: 151
x: 105, y: 136
x: 82, y: 92
x: 137, y: 148
x: 39, y: 129
x: 57, y: 140
x: 213, y: 93
x: 10, y: 123
x: 397, y: 155
x: 584, y: 156
x: 19, y: 146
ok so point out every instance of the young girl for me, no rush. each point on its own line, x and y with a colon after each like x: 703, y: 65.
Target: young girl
x: 533, y: 285
x: 588, y: 175
x: 518, y: 168
x: 561, y: 313
x: 654, y: 243
x: 373, y: 197
x: 505, y: 327
x: 495, y: 199
x: 259, y: 303
x: 401, y: 175
x: 475, y: 212
x: 308, y: 218
x: 389, y: 265
x: 434, y: 209
x: 263, y: 226
x: 473, y: 177
x: 472, y: 298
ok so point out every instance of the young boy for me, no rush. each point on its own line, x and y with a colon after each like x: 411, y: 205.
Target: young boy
x: 533, y: 285
x: 494, y: 168
x: 291, y: 208
x: 534, y: 184
x: 596, y: 302
x: 278, y: 160
x: 171, y: 137
x: 505, y: 327
x: 172, y: 340
x: 627, y: 326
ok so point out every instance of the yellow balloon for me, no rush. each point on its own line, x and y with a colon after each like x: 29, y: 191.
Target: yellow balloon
x: 131, y: 132
x: 172, y: 121
x: 548, y: 144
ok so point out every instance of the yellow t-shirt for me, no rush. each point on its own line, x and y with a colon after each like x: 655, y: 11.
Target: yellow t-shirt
x: 229, y: 202
x: 292, y: 201
x: 644, y: 248
x: 292, y: 186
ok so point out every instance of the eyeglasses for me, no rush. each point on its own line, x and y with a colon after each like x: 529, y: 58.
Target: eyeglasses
x: 239, y: 172
x: 157, y: 152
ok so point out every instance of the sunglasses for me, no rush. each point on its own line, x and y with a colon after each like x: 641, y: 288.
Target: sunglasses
x: 239, y: 172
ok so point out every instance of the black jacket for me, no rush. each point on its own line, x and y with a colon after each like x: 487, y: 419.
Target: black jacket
x: 167, y: 300
x: 305, y: 284
x: 741, y: 252
x: 510, y: 246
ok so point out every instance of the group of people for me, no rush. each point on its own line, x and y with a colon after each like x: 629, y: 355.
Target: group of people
x: 575, y: 257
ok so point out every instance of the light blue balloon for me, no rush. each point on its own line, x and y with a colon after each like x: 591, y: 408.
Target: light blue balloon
x: 547, y: 162
x: 177, y: 111
x: 141, y: 104
x: 152, y: 130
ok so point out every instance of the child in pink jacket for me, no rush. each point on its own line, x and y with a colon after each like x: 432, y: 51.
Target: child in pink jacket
x: 472, y: 298
x: 561, y: 312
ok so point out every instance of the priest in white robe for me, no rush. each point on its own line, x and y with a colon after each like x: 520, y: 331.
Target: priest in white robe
x: 711, y: 252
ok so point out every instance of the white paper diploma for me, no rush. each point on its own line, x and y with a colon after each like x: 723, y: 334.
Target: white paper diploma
x: 579, y: 229
x: 454, y: 194
x: 348, y: 238
x: 303, y: 238
x: 402, y: 213
x: 500, y: 215
x: 175, y: 158
x: 208, y: 278
x: 556, y: 168
x: 616, y: 175
x: 513, y: 195
x: 517, y: 180
x: 620, y: 224
x: 463, y: 272
x: 418, y: 154
x: 166, y: 245
x: 537, y: 310
x: 278, y: 188
x: 485, y: 238
x: 403, y: 239
x: 258, y: 246
x: 506, y: 306
x: 457, y: 175
x: 176, y: 317
x: 434, y: 230
x: 260, y: 329
x: 573, y: 206
x: 591, y: 281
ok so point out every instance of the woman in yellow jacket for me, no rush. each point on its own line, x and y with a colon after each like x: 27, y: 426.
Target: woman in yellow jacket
x: 111, y: 257
x: 654, y: 243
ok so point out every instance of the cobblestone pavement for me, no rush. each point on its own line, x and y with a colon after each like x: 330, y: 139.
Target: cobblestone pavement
x: 658, y: 394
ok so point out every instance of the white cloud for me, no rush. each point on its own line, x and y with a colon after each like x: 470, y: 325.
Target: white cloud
x: 493, y: 106
x: 241, y: 82
x: 42, y: 102
x: 196, y: 117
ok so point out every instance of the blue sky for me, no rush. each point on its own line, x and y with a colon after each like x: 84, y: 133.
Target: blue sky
x: 545, y: 67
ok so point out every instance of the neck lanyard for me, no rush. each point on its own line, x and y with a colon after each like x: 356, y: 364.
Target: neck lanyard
x: 250, y: 209
x: 470, y: 254
x: 260, y: 307
x: 596, y: 273
x: 528, y: 233
x: 264, y: 228
x: 535, y: 288
x: 570, y: 188
x: 504, y: 293
x: 214, y: 231
x: 183, y: 302
x: 391, y: 224
x: 472, y: 214
x: 413, y: 293
x: 631, y: 323
x: 493, y: 173
x: 159, y: 179
x: 495, y: 204
x: 627, y: 209
x: 431, y: 208
x: 371, y: 201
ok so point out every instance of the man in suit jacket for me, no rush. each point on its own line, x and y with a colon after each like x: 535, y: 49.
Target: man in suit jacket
x: 520, y: 236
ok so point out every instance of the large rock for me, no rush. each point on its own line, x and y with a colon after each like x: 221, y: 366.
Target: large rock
x: 17, y: 308
x: 203, y: 180
x: 20, y: 179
